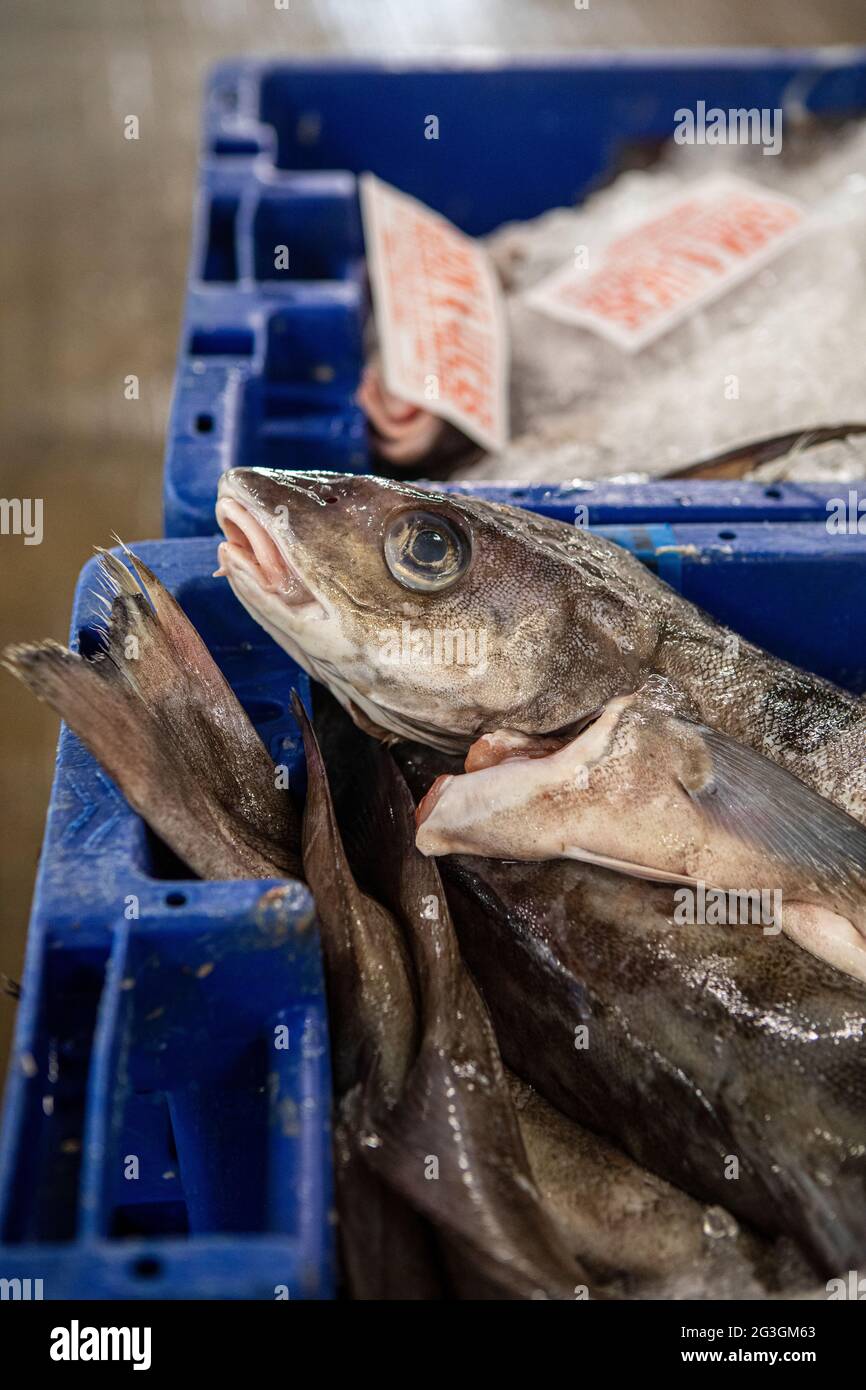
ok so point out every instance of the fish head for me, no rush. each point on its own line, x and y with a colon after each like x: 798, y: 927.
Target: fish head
x: 429, y: 615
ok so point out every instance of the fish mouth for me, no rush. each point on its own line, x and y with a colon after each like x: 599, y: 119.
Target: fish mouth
x: 250, y: 554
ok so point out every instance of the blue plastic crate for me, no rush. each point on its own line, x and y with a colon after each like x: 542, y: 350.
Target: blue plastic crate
x: 147, y: 1038
x: 155, y: 1141
x: 233, y: 1193
x: 270, y: 354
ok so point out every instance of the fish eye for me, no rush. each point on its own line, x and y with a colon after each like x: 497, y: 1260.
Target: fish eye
x: 426, y: 551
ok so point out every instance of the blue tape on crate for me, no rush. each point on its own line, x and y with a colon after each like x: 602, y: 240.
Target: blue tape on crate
x: 656, y: 546
x: 282, y: 146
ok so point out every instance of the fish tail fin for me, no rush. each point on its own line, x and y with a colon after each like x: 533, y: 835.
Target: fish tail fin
x: 155, y: 711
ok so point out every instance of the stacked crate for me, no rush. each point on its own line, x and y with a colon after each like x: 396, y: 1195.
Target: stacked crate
x: 155, y: 1143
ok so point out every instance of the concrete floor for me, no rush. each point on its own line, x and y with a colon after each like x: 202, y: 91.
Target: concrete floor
x: 94, y: 234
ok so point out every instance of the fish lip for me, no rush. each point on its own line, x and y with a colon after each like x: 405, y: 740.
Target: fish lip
x: 253, y: 551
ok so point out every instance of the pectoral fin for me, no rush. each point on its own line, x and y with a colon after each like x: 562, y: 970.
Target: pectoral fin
x: 755, y: 800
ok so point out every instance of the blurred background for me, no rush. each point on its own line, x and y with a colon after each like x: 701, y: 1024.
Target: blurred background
x: 94, y: 233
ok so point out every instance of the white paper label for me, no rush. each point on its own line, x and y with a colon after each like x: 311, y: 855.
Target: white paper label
x: 654, y: 276
x: 439, y: 314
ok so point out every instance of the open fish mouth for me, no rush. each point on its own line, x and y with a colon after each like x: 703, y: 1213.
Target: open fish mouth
x: 262, y: 563
x: 250, y: 554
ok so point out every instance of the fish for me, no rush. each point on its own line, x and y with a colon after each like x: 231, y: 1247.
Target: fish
x: 154, y: 709
x: 441, y: 618
x: 729, y: 1063
x: 403, y: 433
x: 796, y: 454
x: 637, y: 1236
x: 640, y: 767
x: 642, y: 1237
x: 387, y: 1250
x: 408, y: 1059
x: 405, y: 438
x: 710, y: 1043
x: 451, y: 1145
x: 371, y: 988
